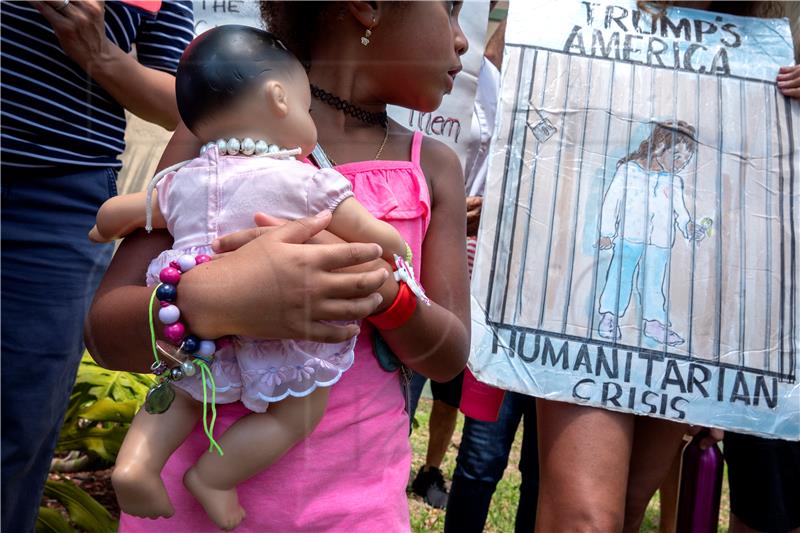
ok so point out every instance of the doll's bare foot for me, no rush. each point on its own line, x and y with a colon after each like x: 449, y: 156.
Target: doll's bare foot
x: 222, y: 506
x: 141, y: 493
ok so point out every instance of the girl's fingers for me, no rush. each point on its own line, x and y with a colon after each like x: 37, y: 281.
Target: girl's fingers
x: 355, y: 285
x: 236, y: 240
x: 356, y: 309
x: 338, y: 256
x: 264, y: 220
x: 320, y: 332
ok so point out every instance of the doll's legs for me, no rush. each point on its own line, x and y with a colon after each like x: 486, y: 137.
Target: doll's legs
x: 251, y: 445
x: 150, y: 441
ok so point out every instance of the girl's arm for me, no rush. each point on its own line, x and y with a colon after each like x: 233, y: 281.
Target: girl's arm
x: 435, y: 341
x: 272, y: 287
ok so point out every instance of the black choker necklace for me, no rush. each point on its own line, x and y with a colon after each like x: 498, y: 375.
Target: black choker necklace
x: 347, y: 108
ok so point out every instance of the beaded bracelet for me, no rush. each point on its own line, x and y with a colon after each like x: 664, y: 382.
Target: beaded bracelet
x: 169, y: 314
x: 200, y: 352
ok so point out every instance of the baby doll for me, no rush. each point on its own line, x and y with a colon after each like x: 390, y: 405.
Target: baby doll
x: 238, y: 84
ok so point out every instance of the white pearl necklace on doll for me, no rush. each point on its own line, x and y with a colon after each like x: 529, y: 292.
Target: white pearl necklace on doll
x: 248, y: 146
x: 232, y: 146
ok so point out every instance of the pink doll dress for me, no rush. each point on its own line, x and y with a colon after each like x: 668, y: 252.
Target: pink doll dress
x: 214, y: 195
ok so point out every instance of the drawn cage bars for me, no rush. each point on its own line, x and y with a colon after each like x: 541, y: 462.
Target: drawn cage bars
x: 555, y: 285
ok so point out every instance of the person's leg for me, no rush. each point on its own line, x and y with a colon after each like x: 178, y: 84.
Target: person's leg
x: 414, y: 392
x: 442, y: 424
x: 429, y: 482
x: 528, y: 466
x: 668, y: 494
x: 482, y: 458
x: 250, y: 445
x: 762, y: 476
x: 49, y: 273
x: 584, y: 454
x: 655, y: 444
x: 150, y: 441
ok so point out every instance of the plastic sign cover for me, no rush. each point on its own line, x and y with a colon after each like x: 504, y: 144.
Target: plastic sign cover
x: 638, y: 248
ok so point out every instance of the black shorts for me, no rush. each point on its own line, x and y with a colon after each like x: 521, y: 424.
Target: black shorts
x: 448, y: 392
x: 764, y: 478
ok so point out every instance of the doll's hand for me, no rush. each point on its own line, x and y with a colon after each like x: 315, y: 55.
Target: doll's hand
x: 271, y: 283
x: 789, y: 81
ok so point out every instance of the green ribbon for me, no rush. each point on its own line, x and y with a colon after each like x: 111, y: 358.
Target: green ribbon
x: 205, y: 376
x: 205, y: 373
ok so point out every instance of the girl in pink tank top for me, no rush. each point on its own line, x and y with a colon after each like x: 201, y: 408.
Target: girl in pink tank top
x: 350, y: 473
x: 199, y: 202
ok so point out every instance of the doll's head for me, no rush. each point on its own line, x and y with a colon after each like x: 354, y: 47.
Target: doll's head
x: 238, y: 81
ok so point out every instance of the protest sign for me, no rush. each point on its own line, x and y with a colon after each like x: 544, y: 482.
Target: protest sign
x: 638, y: 248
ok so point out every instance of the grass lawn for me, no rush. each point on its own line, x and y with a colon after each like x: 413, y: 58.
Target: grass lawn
x: 504, y: 504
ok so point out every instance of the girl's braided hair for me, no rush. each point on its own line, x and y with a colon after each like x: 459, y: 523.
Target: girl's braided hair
x: 296, y: 24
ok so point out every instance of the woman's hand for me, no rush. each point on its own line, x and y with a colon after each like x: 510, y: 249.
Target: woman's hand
x: 789, y: 81
x: 474, y: 206
x: 80, y: 29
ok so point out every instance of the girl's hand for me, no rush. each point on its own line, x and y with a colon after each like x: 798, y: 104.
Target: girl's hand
x: 789, y: 81
x: 266, y: 223
x: 274, y: 287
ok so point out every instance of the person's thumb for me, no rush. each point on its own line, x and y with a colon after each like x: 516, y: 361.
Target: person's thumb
x: 303, y: 229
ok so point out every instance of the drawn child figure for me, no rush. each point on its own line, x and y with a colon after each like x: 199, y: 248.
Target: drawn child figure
x: 238, y: 84
x: 642, y: 211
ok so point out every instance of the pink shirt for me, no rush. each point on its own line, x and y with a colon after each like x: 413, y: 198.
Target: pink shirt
x: 350, y: 474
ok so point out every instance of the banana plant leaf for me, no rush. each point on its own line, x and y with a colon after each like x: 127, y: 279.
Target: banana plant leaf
x: 51, y: 521
x: 83, y: 510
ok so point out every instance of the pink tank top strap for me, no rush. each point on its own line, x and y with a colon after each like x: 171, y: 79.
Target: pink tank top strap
x: 416, y: 147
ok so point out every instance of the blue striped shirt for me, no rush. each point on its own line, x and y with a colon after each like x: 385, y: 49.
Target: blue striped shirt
x: 53, y: 114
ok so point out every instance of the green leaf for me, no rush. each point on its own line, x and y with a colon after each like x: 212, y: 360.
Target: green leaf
x: 51, y: 521
x: 103, y: 442
x: 107, y: 410
x: 84, y: 511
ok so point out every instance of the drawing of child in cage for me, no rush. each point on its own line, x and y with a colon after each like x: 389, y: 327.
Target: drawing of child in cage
x: 644, y: 207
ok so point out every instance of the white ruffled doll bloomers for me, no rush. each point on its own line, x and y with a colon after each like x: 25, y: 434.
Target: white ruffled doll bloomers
x: 215, y: 195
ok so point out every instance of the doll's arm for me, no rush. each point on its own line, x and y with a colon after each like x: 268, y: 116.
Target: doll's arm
x: 352, y: 222
x: 121, y: 215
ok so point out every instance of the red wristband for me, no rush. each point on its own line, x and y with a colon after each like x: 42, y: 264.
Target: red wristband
x: 399, y: 312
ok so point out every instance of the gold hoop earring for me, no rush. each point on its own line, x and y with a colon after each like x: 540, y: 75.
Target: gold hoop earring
x: 368, y: 33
